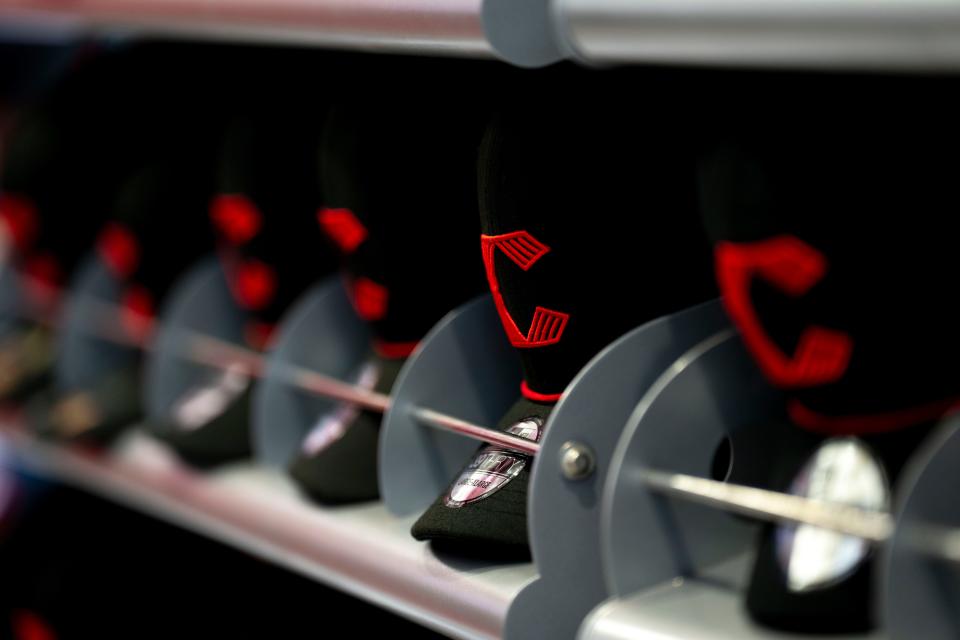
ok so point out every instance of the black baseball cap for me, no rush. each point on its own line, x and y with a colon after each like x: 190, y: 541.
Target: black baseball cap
x: 589, y: 228
x: 399, y: 195
x: 833, y: 250
x: 260, y: 209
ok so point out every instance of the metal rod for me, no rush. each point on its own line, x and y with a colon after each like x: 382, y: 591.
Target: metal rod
x: 438, y: 420
x: 211, y: 351
x: 933, y: 540
x: 322, y: 385
x: 772, y: 506
x: 214, y: 352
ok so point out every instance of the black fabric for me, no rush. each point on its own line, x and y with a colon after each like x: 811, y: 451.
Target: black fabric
x: 64, y: 140
x: 346, y: 470
x: 109, y: 404
x: 845, y: 606
x: 27, y: 355
x: 607, y: 182
x: 160, y: 211
x: 877, y: 202
x: 26, y: 65
x: 223, y: 439
x: 74, y: 145
x: 495, y: 526
x: 108, y: 113
x: 269, y: 158
x: 582, y: 169
x: 164, y: 208
x: 870, y: 188
x: 406, y: 170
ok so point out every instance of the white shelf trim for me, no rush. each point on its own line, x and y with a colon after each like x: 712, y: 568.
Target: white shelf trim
x: 361, y: 550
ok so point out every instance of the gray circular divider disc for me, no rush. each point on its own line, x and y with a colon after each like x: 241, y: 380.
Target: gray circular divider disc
x: 710, y: 392
x: 200, y: 302
x: 464, y: 367
x: 922, y: 593
x: 565, y: 515
x: 322, y: 333
x: 82, y: 355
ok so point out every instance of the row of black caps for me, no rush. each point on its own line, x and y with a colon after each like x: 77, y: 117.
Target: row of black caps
x: 607, y: 182
x: 242, y: 124
x: 120, y: 157
x: 141, y: 138
x: 124, y: 152
x: 402, y: 167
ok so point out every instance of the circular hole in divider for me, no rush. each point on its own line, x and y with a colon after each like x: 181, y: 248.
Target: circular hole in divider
x: 722, y: 464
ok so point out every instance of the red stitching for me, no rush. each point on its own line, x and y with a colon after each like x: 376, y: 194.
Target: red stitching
x: 236, y: 217
x: 393, y: 350
x: 822, y: 355
x: 20, y: 216
x: 521, y: 247
x: 343, y: 228
x: 369, y: 298
x: 138, y: 300
x: 43, y: 269
x: 119, y: 249
x: 42, y: 278
x: 137, y: 311
x: 257, y: 334
x: 547, y: 325
x: 536, y: 396
x: 254, y: 284
x: 868, y: 423
x: 27, y: 625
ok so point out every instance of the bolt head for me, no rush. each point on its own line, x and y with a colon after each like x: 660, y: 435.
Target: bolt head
x: 576, y: 460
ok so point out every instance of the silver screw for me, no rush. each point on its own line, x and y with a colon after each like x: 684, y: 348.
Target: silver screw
x: 576, y: 460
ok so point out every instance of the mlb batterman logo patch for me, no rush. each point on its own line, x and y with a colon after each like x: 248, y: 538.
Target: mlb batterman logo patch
x: 493, y: 467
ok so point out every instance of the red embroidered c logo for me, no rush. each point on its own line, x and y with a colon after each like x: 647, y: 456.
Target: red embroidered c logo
x: 822, y: 355
x: 524, y: 250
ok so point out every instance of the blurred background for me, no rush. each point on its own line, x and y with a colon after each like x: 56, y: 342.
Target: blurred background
x: 228, y: 228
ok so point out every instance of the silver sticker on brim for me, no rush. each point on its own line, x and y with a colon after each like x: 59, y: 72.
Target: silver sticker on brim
x: 332, y: 425
x: 201, y: 404
x: 493, y: 467
x: 842, y: 471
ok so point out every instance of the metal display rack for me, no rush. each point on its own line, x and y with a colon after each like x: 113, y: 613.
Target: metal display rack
x: 361, y: 550
x: 429, y: 26
x: 877, y: 34
x: 590, y: 576
x: 843, y: 34
x: 367, y: 550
